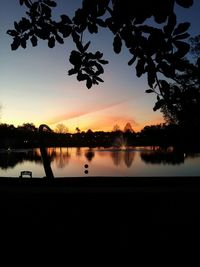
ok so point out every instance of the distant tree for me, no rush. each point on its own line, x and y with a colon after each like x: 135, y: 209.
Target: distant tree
x: 116, y: 128
x: 128, y: 128
x: 28, y: 127
x: 61, y: 128
x: 157, y: 48
x: 78, y: 130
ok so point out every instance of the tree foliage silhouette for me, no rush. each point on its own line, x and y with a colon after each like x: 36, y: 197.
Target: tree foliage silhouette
x: 183, y: 105
x: 153, y: 50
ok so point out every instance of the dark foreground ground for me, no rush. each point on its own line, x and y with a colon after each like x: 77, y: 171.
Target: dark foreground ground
x: 153, y: 220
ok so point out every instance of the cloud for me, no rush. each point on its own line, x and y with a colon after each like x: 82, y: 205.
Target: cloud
x: 83, y: 111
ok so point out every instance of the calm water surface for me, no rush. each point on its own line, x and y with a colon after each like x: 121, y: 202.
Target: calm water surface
x: 134, y: 161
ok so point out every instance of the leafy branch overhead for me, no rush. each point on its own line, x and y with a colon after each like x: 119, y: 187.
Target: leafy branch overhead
x: 153, y: 49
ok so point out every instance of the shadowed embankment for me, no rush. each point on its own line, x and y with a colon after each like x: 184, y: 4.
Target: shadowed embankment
x: 101, y: 214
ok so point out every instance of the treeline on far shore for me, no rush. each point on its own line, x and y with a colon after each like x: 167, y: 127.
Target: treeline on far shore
x: 28, y: 136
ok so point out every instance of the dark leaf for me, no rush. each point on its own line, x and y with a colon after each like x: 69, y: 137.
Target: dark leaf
x: 181, y: 36
x: 79, y: 46
x: 99, y: 68
x: 146, y: 28
x: 12, y: 32
x: 80, y: 17
x: 16, y: 43
x: 132, y: 60
x: 82, y: 77
x: 76, y: 37
x: 165, y: 88
x: 50, y: 3
x: 102, y: 61
x: 170, y: 24
x: 23, y: 43
x: 21, y: 2
x: 89, y: 82
x: 140, y: 67
x: 179, y: 64
x: 99, y: 79
x: 92, y: 28
x: 94, y: 81
x: 159, y: 104
x: 75, y: 58
x: 34, y: 40
x: 65, y: 30
x: 182, y: 27
x: 17, y: 26
x: 101, y: 23
x: 59, y: 39
x: 176, y: 91
x: 185, y: 3
x: 65, y: 19
x: 89, y: 71
x: 24, y: 24
x: 98, y: 55
x: 51, y: 42
x: 149, y: 91
x: 41, y: 33
x: 27, y: 3
x: 168, y: 70
x: 117, y: 44
x: 182, y: 47
x: 72, y: 71
x: 86, y: 47
x: 46, y: 10
x: 151, y: 77
x: 164, y: 84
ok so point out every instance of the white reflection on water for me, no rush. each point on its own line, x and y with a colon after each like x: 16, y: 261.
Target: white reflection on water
x: 130, y: 161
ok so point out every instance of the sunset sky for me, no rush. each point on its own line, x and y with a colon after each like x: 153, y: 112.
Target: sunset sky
x: 35, y: 86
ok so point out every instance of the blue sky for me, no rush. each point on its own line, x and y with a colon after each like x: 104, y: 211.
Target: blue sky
x: 35, y: 87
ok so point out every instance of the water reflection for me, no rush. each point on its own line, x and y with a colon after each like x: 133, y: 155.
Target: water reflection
x: 62, y: 157
x: 163, y: 156
x: 129, y: 159
x: 11, y: 159
x: 119, y: 156
x: 89, y: 154
x: 78, y: 152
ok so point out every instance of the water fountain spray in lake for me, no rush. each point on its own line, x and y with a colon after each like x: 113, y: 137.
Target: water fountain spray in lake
x: 120, y: 143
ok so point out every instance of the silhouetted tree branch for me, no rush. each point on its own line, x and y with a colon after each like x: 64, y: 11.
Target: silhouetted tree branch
x: 153, y: 49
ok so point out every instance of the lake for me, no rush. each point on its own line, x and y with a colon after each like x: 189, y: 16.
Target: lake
x: 132, y: 161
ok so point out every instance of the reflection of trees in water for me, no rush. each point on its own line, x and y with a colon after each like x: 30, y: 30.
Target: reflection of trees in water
x: 126, y: 156
x: 116, y: 157
x: 78, y: 152
x: 163, y: 157
x: 89, y: 154
x: 62, y: 157
x: 11, y: 159
x: 129, y: 158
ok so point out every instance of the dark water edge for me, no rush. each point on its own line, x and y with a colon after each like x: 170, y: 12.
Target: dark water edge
x: 149, y: 219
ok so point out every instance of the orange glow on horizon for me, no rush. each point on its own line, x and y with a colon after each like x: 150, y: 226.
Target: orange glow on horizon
x: 103, y: 124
